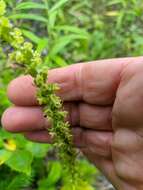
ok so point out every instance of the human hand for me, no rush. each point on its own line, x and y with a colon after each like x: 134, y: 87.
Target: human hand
x: 104, y: 102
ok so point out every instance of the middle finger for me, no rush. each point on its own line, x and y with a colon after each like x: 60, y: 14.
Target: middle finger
x: 22, y: 119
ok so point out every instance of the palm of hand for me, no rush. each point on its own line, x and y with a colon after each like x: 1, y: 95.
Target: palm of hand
x: 121, y: 156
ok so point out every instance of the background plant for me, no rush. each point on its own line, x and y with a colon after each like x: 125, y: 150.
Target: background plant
x: 67, y: 32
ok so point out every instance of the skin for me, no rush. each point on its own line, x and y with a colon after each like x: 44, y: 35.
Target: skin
x: 104, y: 100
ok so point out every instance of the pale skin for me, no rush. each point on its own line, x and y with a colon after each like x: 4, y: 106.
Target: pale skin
x: 104, y: 100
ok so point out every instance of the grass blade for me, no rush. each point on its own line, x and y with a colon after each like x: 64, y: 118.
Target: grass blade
x: 28, y: 17
x: 58, y: 5
x: 29, y: 5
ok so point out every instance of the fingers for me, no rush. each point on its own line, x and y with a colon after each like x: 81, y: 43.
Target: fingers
x: 95, y: 117
x: 21, y: 119
x: 94, y: 142
x: 98, y: 156
x: 39, y: 136
x: 22, y: 92
x: 94, y: 83
x: 87, y: 141
x: 89, y: 116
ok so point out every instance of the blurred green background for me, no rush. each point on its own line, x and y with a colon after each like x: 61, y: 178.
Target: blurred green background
x: 65, y: 32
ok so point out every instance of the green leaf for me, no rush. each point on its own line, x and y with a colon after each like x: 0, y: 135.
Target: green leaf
x: 30, y: 5
x: 58, y: 5
x: 52, y: 19
x: 60, y: 62
x: 19, y: 182
x: 62, y: 42
x: 72, y: 29
x: 20, y: 161
x: 114, y: 2
x: 5, y: 135
x: 38, y: 150
x: 4, y: 155
x: 28, y: 17
x: 55, y: 173
x: 43, y: 43
x: 28, y: 34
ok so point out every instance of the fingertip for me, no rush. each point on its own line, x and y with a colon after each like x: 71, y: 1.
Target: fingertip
x: 21, y: 119
x: 6, y: 123
x: 21, y: 91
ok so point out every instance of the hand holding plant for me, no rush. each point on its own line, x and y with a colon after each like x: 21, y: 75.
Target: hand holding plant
x: 104, y: 126
x: 104, y: 108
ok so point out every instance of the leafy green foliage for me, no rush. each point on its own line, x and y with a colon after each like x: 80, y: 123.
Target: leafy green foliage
x: 55, y: 170
x: 20, y: 161
x: 11, y: 180
x: 19, y: 182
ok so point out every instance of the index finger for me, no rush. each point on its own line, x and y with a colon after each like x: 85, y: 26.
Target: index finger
x: 94, y: 82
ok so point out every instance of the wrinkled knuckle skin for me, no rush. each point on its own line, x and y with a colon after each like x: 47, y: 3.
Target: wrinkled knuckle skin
x: 130, y: 70
x: 128, y: 106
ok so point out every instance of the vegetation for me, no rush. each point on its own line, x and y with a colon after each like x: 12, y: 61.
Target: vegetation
x: 62, y: 32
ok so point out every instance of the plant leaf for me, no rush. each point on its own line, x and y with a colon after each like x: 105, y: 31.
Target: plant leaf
x: 54, y: 174
x: 33, y: 37
x: 43, y: 43
x: 20, y: 161
x: 30, y: 5
x: 52, y: 19
x: 62, y: 42
x: 72, y: 29
x: 19, y: 182
x: 58, y: 5
x: 28, y: 17
x: 38, y: 150
x: 4, y: 155
x: 60, y: 62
